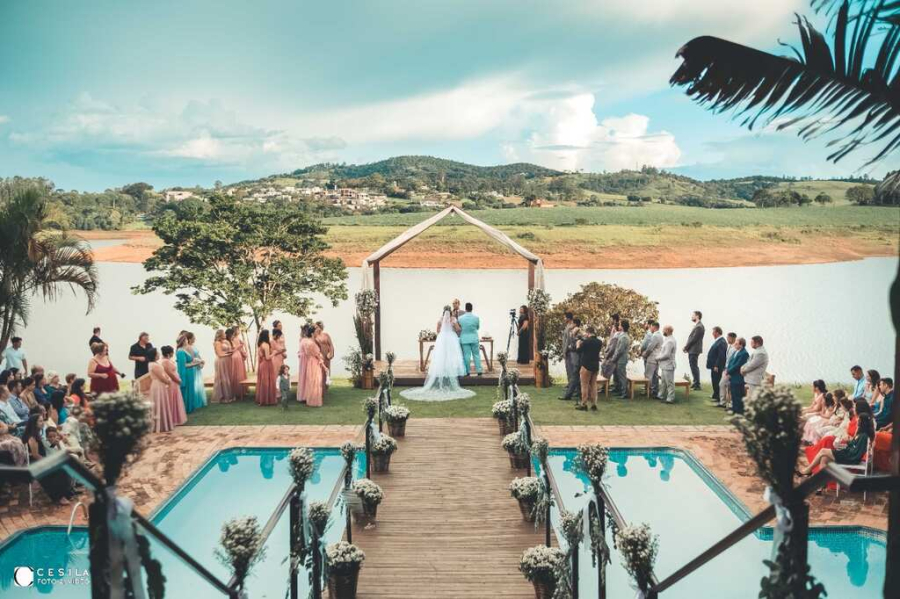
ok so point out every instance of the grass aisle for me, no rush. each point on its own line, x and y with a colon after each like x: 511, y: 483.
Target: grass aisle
x: 343, y: 405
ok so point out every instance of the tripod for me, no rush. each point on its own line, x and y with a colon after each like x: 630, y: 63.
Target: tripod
x: 513, y: 330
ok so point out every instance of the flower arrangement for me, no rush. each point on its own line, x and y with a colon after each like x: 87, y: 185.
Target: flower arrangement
x: 384, y: 445
x: 348, y: 452
x: 772, y: 431
x: 318, y: 515
x: 523, y: 404
x: 540, y: 564
x: 354, y: 362
x: 570, y: 525
x: 343, y: 558
x: 366, y: 302
x: 121, y: 420
x: 539, y: 449
x: 539, y: 301
x: 592, y: 459
x: 512, y: 376
x: 396, y: 414
x: 370, y: 407
x: 514, y: 443
x: 241, y: 547
x: 502, y: 410
x: 368, y: 362
x: 302, y: 464
x: 368, y: 491
x: 427, y: 335
x: 639, y: 547
x: 526, y: 488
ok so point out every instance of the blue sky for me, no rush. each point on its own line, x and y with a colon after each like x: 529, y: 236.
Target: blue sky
x: 99, y: 93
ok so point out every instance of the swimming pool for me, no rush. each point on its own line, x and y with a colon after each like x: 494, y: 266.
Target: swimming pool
x: 690, y: 510
x: 233, y: 482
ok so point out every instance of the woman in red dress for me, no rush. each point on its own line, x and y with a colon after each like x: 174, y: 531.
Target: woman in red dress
x: 266, y: 390
x: 103, y: 375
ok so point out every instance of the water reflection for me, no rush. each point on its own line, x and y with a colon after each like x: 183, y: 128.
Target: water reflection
x: 855, y: 548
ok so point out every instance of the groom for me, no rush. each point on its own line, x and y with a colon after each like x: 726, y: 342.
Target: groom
x: 468, y: 338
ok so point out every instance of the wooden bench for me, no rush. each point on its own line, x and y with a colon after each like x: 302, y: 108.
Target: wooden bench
x: 602, y: 385
x: 634, y: 381
x: 687, y: 387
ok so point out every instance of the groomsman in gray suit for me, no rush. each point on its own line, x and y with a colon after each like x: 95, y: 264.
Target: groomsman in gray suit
x: 694, y: 347
x: 724, y: 385
x: 620, y: 359
x: 650, y: 347
x: 754, y: 370
x: 667, y: 366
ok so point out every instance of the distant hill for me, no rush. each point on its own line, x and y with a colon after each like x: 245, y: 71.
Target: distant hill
x: 427, y: 168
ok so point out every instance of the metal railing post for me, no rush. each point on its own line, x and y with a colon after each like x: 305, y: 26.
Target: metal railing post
x: 575, y: 573
x: 549, y: 504
x: 348, y: 481
x: 294, y: 519
x: 600, y: 507
x: 99, y: 546
x: 368, y: 448
x: 316, y: 567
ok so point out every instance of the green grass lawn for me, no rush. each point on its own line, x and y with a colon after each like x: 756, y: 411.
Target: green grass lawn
x: 343, y: 405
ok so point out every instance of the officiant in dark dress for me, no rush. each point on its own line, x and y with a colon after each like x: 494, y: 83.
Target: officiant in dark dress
x: 526, y: 346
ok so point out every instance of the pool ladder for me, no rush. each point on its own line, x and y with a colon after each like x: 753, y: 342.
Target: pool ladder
x: 72, y: 516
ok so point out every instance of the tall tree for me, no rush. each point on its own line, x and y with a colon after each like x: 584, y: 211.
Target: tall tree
x: 230, y: 262
x: 36, y: 260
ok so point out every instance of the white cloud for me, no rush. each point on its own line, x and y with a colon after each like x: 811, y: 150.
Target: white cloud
x: 3, y: 119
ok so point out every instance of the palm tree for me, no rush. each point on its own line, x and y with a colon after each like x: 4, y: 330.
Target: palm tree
x: 35, y: 260
x: 825, y: 90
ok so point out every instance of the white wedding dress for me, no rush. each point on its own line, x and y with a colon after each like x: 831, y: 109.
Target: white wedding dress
x: 444, y: 370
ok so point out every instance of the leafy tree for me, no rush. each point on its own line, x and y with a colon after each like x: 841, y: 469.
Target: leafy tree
x: 887, y: 193
x: 595, y: 304
x: 860, y: 194
x: 803, y: 200
x: 231, y: 262
x: 822, y: 199
x: 34, y: 259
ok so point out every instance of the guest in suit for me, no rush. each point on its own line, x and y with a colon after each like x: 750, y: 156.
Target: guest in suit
x: 666, y: 363
x: 570, y: 356
x: 609, y: 367
x: 468, y: 339
x: 650, y: 354
x: 715, y: 362
x: 754, y: 370
x: 620, y: 358
x: 694, y: 347
x: 95, y: 338
x: 883, y: 410
x: 724, y: 385
x: 526, y: 350
x: 736, y: 376
x: 589, y: 350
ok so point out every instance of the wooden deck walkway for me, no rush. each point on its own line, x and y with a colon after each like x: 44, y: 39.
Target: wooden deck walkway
x: 448, y: 526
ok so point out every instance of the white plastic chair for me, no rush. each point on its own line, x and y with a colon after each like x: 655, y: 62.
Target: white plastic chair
x: 866, y: 467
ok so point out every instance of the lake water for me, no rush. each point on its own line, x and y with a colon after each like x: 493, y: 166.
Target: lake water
x: 817, y: 320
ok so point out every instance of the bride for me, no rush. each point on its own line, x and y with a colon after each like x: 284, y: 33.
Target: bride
x: 446, y: 365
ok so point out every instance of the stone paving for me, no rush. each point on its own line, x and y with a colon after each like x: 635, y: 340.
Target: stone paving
x: 721, y: 450
x: 171, y: 457
x: 167, y: 461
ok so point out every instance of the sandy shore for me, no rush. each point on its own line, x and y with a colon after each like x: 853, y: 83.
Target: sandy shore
x: 139, y: 245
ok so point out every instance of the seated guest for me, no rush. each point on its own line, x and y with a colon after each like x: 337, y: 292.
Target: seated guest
x: 843, y: 435
x: 52, y: 383
x: 883, y: 409
x: 873, y: 389
x: 40, y: 393
x: 883, y: 440
x: 58, y: 485
x: 77, y: 396
x: 853, y: 453
x: 77, y: 434
x: 12, y: 445
x: 5, y: 375
x: 70, y: 378
x: 818, y: 403
x: 8, y: 415
x: 58, y: 411
x: 27, y: 394
x: 858, y: 389
x: 15, y: 387
x: 816, y: 422
x: 843, y: 412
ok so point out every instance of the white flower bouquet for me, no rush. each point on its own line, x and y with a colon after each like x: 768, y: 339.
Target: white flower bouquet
x: 241, y: 546
x: 344, y: 558
x: 592, y: 460
x: 121, y: 420
x: 539, y: 449
x: 427, y: 335
x: 370, y: 406
x: 302, y: 465
x: 526, y: 488
x: 540, y: 564
x: 348, y: 452
x: 539, y: 301
x: 502, y: 410
x: 368, y: 491
x: 384, y: 445
x: 523, y: 403
x: 513, y: 443
x: 366, y: 302
x: 639, y: 548
x: 318, y: 515
x: 396, y: 414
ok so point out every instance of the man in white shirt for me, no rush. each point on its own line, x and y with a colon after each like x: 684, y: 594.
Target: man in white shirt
x: 14, y: 356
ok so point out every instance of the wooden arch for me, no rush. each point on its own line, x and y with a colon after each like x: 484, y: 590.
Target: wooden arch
x: 373, y: 280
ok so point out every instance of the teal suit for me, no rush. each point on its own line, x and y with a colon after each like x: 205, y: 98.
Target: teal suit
x: 468, y: 339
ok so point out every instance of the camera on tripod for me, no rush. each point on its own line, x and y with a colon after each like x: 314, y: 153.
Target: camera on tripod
x: 512, y: 312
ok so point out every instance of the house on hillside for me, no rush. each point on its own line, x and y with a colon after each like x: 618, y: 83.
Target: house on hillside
x: 177, y: 196
x: 542, y: 203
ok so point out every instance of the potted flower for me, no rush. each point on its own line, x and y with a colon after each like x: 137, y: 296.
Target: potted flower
x: 302, y: 465
x: 539, y: 565
x: 502, y: 411
x: 526, y: 490
x: 370, y: 494
x: 396, y: 417
x: 343, y: 561
x: 240, y: 548
x: 368, y: 372
x: 381, y: 450
x: 518, y: 451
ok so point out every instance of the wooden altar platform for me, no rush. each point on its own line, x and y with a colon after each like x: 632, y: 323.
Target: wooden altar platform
x: 407, y: 374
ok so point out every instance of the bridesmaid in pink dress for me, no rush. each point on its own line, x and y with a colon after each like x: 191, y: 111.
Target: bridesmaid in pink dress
x: 301, y: 372
x: 266, y: 390
x: 159, y: 394
x: 176, y: 401
x: 278, y: 349
x: 313, y: 381
x: 222, y: 384
x: 238, y: 360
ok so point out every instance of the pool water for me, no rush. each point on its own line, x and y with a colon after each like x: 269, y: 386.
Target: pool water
x: 236, y: 482
x: 690, y: 510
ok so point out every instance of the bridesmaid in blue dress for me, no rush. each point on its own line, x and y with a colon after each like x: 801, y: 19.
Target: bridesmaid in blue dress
x: 190, y: 369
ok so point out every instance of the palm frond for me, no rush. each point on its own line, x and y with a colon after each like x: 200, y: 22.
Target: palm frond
x: 825, y: 90
x: 65, y: 261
